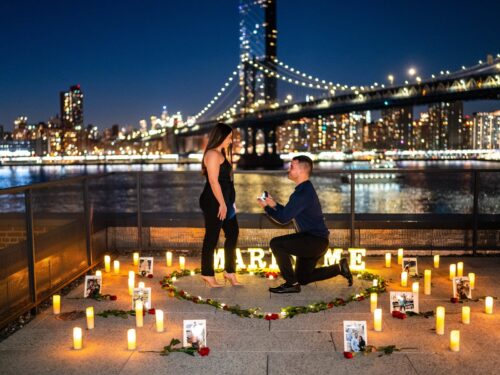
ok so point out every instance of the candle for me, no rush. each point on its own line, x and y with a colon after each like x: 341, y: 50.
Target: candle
x: 440, y: 313
x: 135, y: 257
x: 400, y: 256
x: 460, y: 269
x: 427, y: 282
x: 139, y: 321
x: 182, y: 263
x: 116, y: 267
x: 373, y: 302
x: 375, y: 282
x: 455, y: 341
x: 77, y: 338
x: 404, y: 278
x: 436, y: 261
x: 388, y: 260
x: 141, y: 285
x: 174, y: 278
x: 415, y: 287
x: 466, y: 315
x: 488, y: 305
x: 472, y: 280
x: 377, y: 320
x: 98, y: 273
x: 90, y: 317
x: 271, y: 277
x: 159, y: 320
x: 131, y: 275
x: 131, y: 285
x: 168, y: 255
x: 107, y: 263
x: 453, y: 271
x: 131, y: 339
x: 192, y: 273
x: 56, y: 304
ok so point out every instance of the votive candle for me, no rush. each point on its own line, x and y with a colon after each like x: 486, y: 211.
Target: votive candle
x: 77, y: 338
x: 56, y: 304
x: 455, y: 341
x: 159, y: 320
x: 139, y: 321
x: 107, y: 263
x: 373, y: 301
x: 116, y: 267
x: 453, y: 271
x: 135, y: 257
x: 375, y: 282
x: 131, y: 285
x: 400, y: 256
x: 460, y: 269
x: 488, y: 305
x: 472, y: 280
x: 436, y: 261
x: 90, y: 317
x: 98, y: 273
x: 440, y: 314
x: 427, y: 282
x: 182, y: 263
x: 404, y: 278
x: 377, y: 320
x: 168, y: 256
x: 415, y: 287
x: 466, y: 314
x: 387, y: 260
x: 131, y: 339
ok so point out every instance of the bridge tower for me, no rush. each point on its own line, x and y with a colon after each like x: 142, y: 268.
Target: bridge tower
x: 258, y: 44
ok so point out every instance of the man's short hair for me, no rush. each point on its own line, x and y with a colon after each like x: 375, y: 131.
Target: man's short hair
x: 306, y: 162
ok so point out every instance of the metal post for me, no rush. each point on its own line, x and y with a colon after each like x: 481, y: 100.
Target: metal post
x: 139, y: 211
x: 88, y: 222
x: 353, y: 211
x: 30, y: 245
x: 475, y: 209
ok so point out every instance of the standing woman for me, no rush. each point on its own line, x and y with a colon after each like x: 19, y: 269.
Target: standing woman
x: 217, y: 204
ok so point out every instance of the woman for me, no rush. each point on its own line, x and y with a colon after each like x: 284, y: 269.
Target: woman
x: 217, y: 204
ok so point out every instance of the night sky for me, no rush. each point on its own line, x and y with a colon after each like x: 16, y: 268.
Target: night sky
x: 133, y: 57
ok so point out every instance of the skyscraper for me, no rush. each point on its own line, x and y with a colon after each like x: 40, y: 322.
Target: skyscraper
x: 71, y: 103
x: 445, y: 122
x: 486, y: 132
x: 398, y: 123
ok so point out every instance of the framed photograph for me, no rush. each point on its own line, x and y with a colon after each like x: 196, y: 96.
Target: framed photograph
x: 355, y: 335
x: 410, y: 266
x: 461, y: 288
x: 93, y: 286
x: 146, y: 266
x: 404, y: 302
x: 195, y: 333
x: 142, y: 294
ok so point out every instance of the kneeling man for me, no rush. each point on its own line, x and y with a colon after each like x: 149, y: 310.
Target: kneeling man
x: 310, y: 243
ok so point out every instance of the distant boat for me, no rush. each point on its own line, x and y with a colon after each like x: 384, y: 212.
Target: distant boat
x: 378, y: 163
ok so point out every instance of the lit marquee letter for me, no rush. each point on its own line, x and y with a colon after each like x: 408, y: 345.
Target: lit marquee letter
x: 332, y: 257
x: 356, y: 259
x: 219, y: 259
x: 256, y: 257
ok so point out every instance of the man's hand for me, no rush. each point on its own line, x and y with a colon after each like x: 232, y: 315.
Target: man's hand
x: 261, y: 203
x: 270, y: 202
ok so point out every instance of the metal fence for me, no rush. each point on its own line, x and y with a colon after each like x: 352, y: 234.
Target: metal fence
x: 52, y: 233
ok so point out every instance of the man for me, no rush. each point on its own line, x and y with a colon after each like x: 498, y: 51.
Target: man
x: 310, y: 242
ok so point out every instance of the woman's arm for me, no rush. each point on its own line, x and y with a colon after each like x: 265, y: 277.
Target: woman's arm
x: 212, y: 163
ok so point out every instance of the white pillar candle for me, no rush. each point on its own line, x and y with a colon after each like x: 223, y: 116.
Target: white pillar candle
x: 377, y: 320
x: 159, y: 320
x: 440, y: 314
x: 77, y: 338
x: 488, y: 305
x: 131, y: 339
x: 131, y: 285
x: 131, y: 275
x: 415, y: 287
x: 404, y: 278
x: 135, y: 257
x: 182, y: 263
x: 116, y: 267
x: 427, y: 282
x: 436, y: 261
x: 472, y: 280
x: 193, y: 273
x: 98, y: 273
x: 56, y: 304
x: 139, y: 321
x: 90, y: 317
x: 400, y: 256
x: 168, y: 256
x: 373, y: 301
x: 455, y: 341
x: 375, y: 282
x: 453, y: 271
x: 388, y: 260
x: 460, y: 269
x: 465, y: 314
x: 141, y: 285
x: 107, y: 263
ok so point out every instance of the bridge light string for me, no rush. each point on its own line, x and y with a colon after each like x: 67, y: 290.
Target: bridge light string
x: 221, y: 105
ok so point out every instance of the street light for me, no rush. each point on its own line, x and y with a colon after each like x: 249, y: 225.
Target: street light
x: 390, y: 77
x: 419, y: 79
x: 412, y: 72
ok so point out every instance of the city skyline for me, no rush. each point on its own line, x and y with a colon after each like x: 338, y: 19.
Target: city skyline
x: 130, y: 62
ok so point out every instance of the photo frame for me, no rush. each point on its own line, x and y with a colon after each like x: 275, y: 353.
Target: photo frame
x: 355, y: 335
x: 461, y: 288
x: 410, y: 265
x: 142, y: 294
x: 92, y: 286
x: 404, y: 302
x: 145, y: 266
x: 195, y: 333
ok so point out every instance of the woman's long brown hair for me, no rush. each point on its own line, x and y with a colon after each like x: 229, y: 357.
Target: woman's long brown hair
x: 217, y: 135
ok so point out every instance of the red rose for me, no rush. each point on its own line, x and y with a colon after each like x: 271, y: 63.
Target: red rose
x: 340, y: 301
x: 182, y: 293
x: 150, y: 276
x: 113, y: 298
x: 272, y: 316
x: 360, y: 298
x: 204, y: 351
x: 454, y: 300
x: 152, y: 311
x: 402, y: 316
x: 348, y: 355
x: 330, y: 305
x: 225, y: 308
x: 195, y: 299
